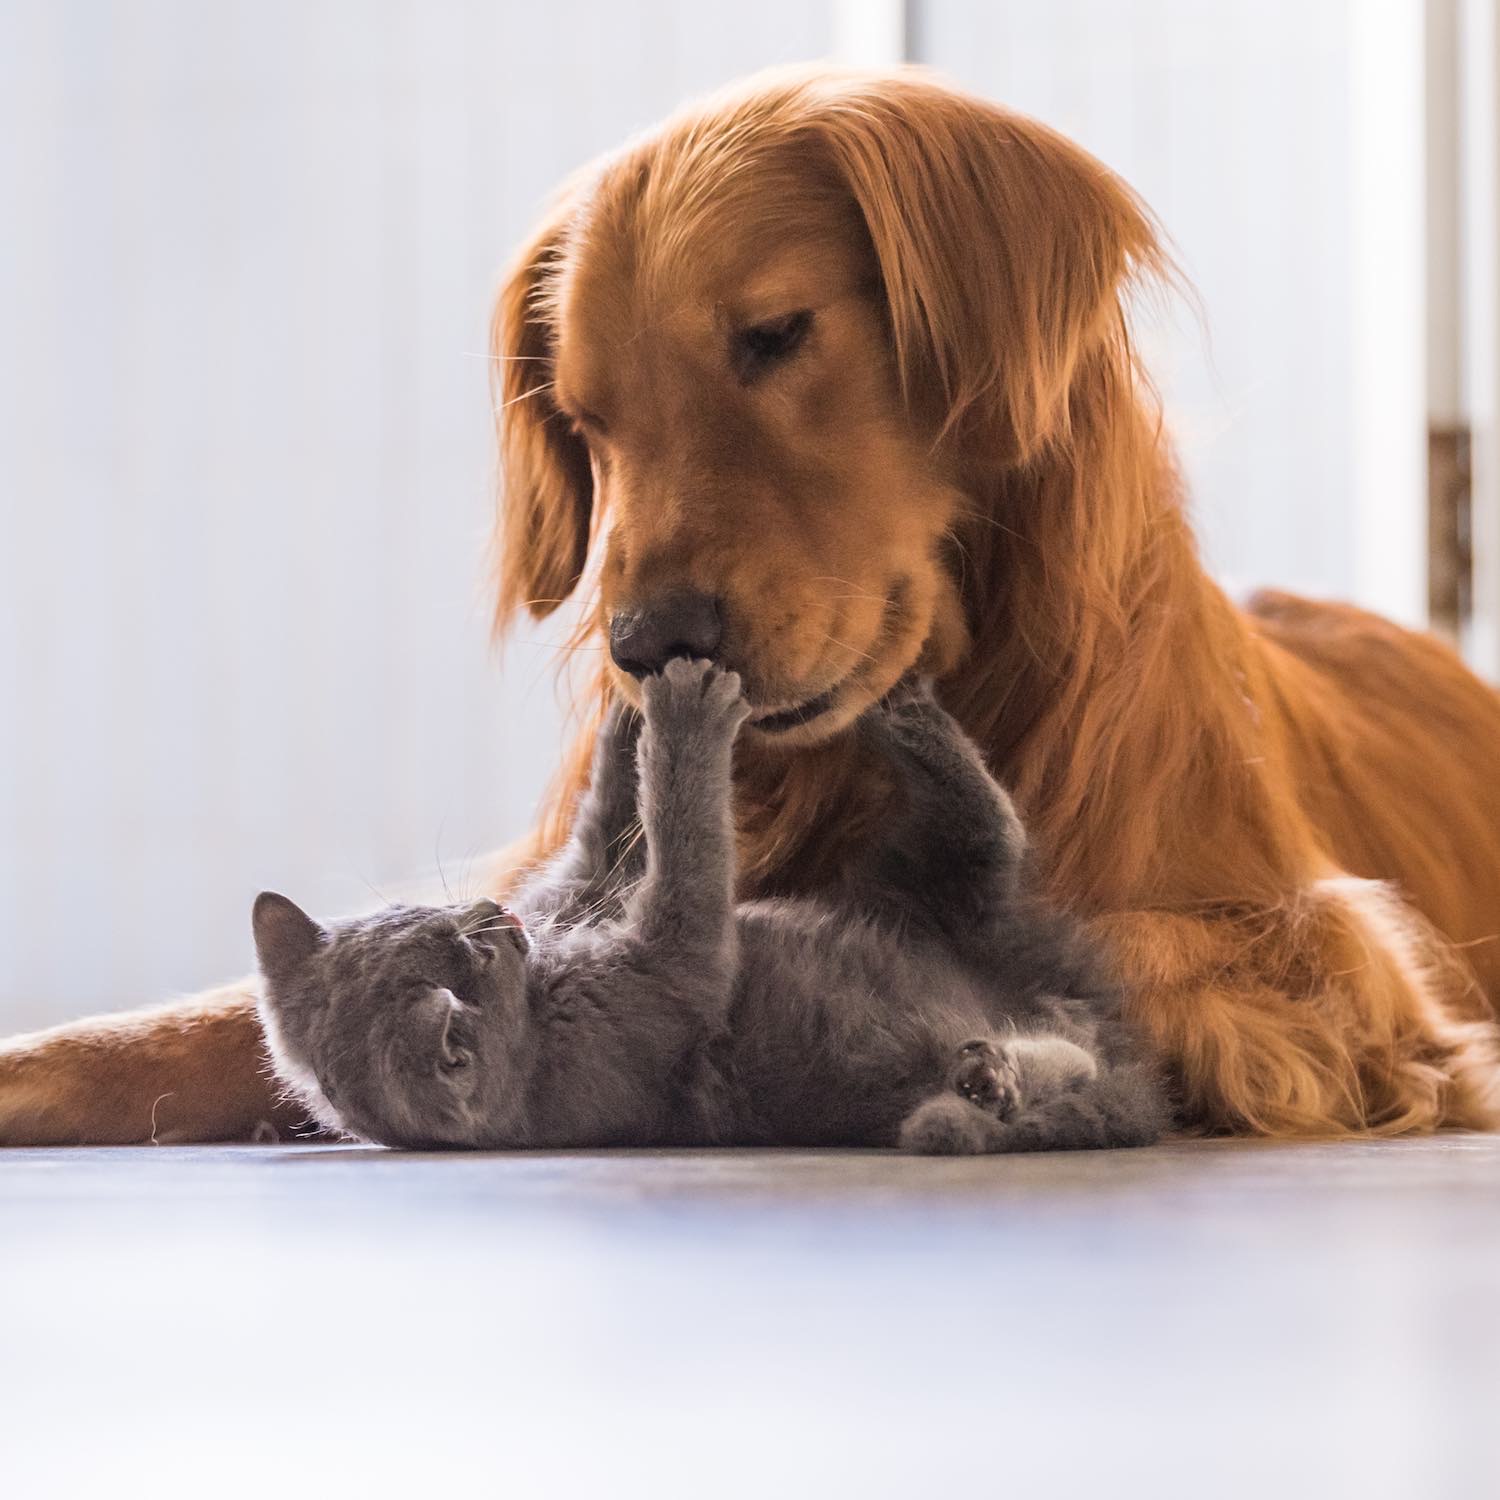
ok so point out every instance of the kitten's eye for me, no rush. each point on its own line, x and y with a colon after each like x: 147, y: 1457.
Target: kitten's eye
x: 755, y: 349
x: 479, y: 951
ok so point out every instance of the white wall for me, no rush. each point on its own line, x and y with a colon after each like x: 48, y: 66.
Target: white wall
x: 245, y: 263
x: 246, y: 249
x: 1232, y: 119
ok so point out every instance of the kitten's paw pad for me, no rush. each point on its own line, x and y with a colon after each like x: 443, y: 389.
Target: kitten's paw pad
x: 985, y: 1075
x: 947, y: 1126
x: 687, y: 673
x: 695, y: 692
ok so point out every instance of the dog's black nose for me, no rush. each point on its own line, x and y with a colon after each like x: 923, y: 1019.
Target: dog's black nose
x: 644, y: 640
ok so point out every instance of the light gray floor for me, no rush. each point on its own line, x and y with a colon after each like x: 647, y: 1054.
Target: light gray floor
x: 1203, y: 1319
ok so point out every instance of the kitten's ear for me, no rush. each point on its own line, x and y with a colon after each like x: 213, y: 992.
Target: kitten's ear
x: 285, y: 936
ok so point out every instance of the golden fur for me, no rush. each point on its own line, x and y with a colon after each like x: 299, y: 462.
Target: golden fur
x: 1285, y: 820
x: 1224, y: 791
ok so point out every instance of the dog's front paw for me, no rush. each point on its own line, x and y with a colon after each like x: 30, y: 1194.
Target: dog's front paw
x: 694, y: 695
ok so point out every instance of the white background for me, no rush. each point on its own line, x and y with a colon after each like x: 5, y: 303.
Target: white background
x: 246, y: 251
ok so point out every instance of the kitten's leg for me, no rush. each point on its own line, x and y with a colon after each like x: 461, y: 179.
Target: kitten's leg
x: 605, y: 853
x: 955, y: 848
x: 685, y: 904
x: 631, y: 1061
x: 1037, y: 1093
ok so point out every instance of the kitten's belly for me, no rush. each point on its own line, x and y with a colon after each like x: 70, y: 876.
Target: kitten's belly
x: 836, y: 1029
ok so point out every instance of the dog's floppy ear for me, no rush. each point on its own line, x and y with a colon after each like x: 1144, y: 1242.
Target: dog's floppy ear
x: 546, y: 481
x: 1002, y: 248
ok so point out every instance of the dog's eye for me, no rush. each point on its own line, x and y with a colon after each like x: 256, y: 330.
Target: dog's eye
x: 764, y: 344
x: 585, y: 422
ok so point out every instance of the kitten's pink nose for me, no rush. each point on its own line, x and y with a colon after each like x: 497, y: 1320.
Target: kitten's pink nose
x: 491, y: 911
x: 518, y: 934
x: 491, y: 914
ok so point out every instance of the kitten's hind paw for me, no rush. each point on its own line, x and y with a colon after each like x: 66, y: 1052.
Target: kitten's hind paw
x: 1003, y: 1076
x: 949, y: 1126
x: 985, y: 1075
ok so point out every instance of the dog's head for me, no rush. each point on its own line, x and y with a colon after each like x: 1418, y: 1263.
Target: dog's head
x: 761, y: 368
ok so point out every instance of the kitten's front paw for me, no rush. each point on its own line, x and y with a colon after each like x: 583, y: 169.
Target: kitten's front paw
x: 618, y: 733
x: 621, y: 725
x: 694, y: 695
x: 985, y: 1073
x: 909, y: 717
x: 911, y: 693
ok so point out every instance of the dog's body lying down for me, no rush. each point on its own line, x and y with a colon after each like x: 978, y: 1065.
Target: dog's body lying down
x: 627, y: 1002
x: 830, y: 378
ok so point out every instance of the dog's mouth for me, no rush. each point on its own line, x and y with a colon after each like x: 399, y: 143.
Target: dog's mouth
x: 780, y: 720
x: 784, y: 720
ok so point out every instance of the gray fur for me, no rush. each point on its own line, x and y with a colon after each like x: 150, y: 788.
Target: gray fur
x: 932, y: 1002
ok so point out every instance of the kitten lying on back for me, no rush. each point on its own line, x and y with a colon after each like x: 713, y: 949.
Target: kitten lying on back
x: 628, y: 1001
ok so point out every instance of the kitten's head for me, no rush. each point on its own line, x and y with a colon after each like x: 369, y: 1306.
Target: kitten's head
x: 398, y: 1026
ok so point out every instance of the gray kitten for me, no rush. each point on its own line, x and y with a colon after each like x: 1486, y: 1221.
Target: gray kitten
x: 627, y: 1001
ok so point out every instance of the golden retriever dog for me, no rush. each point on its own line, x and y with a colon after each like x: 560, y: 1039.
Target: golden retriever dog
x: 830, y: 379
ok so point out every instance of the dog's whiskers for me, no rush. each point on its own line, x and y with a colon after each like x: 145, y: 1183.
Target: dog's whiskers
x: 536, y: 390
x: 847, y: 647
